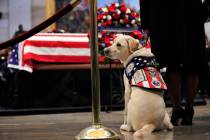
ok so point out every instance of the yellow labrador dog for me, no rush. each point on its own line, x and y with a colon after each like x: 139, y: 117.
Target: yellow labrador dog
x: 145, y: 109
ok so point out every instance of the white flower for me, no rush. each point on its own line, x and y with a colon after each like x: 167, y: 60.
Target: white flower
x: 109, y: 17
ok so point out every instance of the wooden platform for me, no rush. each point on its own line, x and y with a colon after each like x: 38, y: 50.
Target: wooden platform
x: 48, y: 66
x: 67, y: 126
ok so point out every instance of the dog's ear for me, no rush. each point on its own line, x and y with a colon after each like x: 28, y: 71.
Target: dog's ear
x: 134, y: 44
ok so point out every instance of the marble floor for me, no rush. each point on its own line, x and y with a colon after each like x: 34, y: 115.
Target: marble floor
x: 66, y: 126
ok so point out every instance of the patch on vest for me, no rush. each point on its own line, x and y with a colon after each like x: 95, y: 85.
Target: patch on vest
x: 139, y: 76
x: 129, y: 68
x: 152, y: 72
x: 156, y: 84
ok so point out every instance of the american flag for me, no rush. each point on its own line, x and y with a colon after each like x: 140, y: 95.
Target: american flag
x: 15, y: 59
x: 51, y: 48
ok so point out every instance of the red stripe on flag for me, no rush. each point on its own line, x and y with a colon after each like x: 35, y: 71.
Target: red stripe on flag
x: 56, y: 44
x: 58, y: 58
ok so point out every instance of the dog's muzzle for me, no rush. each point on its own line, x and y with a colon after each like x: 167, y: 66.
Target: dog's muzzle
x: 106, y: 52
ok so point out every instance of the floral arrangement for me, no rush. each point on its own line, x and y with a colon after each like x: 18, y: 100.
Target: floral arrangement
x: 105, y: 38
x: 117, y: 15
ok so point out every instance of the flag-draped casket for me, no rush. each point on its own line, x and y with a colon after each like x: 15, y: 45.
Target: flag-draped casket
x: 51, y: 48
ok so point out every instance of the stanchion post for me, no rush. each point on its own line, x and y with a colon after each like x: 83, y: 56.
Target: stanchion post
x: 96, y: 131
x: 95, y: 80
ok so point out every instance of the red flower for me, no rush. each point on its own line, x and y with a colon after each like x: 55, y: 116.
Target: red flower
x: 133, y: 14
x: 107, y: 40
x: 137, y: 34
x: 123, y: 4
x: 100, y: 17
x: 108, y: 22
x: 113, y: 4
x: 116, y: 16
x: 137, y: 15
x: 123, y: 9
x: 111, y: 9
x: 126, y: 20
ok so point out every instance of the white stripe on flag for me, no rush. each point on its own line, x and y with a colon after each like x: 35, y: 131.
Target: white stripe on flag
x: 57, y: 51
x: 62, y: 34
x: 58, y: 38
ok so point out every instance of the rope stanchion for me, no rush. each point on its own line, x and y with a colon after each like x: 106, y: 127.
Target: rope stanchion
x: 41, y: 26
x: 96, y: 131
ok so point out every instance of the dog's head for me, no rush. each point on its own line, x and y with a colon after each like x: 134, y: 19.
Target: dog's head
x: 122, y: 47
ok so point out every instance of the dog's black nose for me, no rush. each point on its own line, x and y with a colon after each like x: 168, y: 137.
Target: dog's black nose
x: 106, y: 51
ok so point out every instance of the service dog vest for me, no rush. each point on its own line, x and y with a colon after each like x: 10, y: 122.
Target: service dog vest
x: 142, y: 71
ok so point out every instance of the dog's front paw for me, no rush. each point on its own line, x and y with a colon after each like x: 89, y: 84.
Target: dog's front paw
x: 125, y: 127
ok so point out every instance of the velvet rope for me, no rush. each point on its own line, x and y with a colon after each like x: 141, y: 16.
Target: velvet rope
x: 41, y: 26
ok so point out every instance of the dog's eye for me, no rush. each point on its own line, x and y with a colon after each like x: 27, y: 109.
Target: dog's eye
x: 118, y: 45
